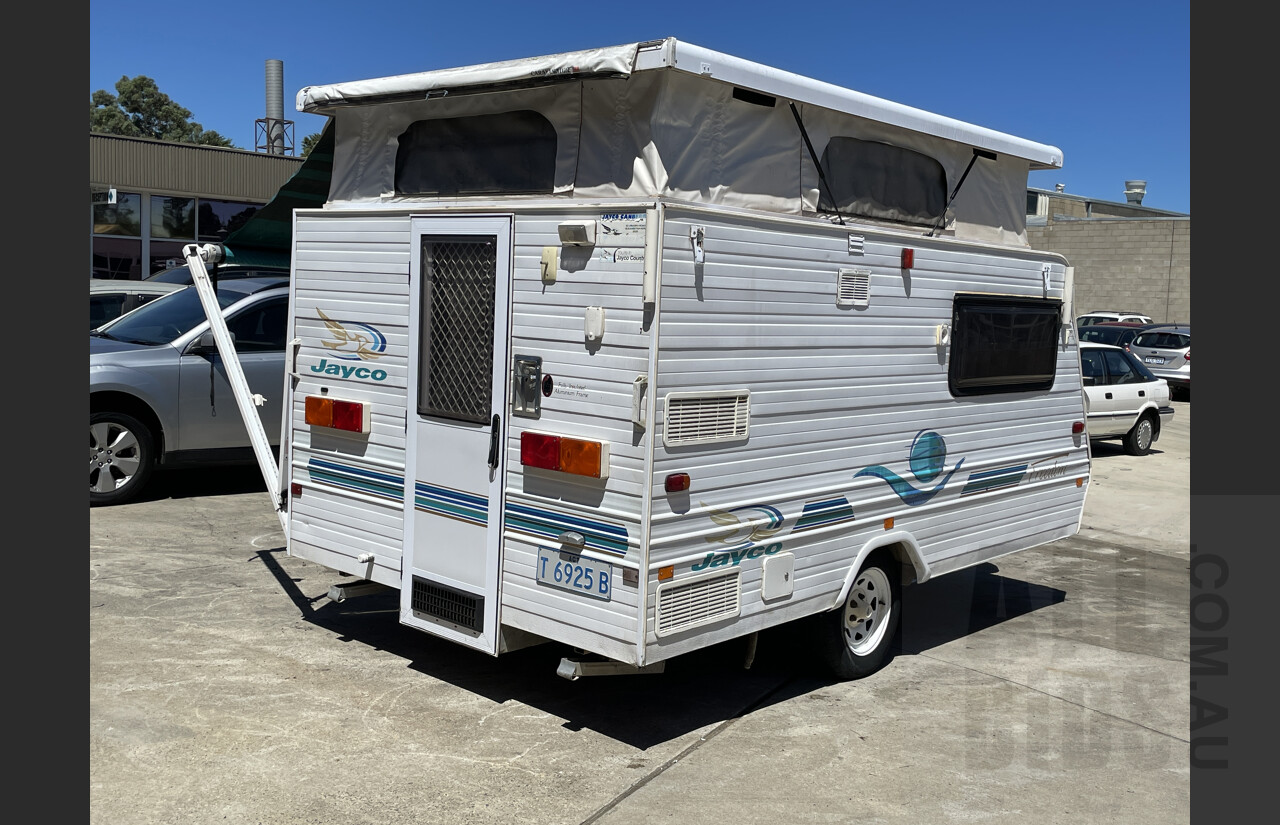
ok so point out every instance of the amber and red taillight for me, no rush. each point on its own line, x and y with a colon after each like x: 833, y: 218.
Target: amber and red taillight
x: 337, y: 414
x: 564, y: 454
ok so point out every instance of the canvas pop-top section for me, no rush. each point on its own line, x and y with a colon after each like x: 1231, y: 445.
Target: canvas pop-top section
x: 673, y: 120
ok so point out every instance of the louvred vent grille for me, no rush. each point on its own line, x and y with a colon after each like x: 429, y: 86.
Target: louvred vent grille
x: 703, y: 418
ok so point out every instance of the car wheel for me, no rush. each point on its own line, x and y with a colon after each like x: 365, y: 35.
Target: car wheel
x: 121, y: 457
x: 858, y: 634
x: 1138, y: 440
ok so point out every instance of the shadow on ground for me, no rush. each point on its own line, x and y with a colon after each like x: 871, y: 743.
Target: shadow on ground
x: 698, y: 689
x: 188, y: 482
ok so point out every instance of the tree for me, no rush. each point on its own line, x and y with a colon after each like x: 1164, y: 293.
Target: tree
x: 309, y: 142
x: 140, y: 109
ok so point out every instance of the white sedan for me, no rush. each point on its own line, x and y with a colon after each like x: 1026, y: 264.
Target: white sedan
x: 1122, y: 399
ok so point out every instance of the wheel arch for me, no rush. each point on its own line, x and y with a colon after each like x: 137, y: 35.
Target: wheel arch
x: 123, y: 402
x: 901, y: 547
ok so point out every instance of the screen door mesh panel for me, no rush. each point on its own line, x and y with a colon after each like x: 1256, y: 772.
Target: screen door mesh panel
x: 456, y: 371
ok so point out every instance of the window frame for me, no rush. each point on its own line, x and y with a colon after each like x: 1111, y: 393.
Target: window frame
x: 979, y: 364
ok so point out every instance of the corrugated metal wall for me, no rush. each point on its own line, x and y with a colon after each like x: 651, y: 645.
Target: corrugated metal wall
x: 186, y: 169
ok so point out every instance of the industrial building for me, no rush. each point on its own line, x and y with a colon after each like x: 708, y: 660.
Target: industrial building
x: 1126, y: 256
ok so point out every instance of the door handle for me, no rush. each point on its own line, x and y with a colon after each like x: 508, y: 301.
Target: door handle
x: 1142, y: 393
x: 493, y: 441
x: 1108, y: 395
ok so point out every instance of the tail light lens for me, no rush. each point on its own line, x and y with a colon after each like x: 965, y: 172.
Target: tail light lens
x: 563, y: 454
x: 337, y: 414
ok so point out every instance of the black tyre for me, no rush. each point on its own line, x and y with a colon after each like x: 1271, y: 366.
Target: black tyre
x: 857, y: 636
x: 1138, y: 440
x: 121, y: 457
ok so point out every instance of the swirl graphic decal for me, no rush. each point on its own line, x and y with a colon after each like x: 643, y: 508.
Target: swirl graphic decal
x: 927, y: 460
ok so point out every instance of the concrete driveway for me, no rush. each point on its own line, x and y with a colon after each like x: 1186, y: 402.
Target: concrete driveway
x: 1050, y: 686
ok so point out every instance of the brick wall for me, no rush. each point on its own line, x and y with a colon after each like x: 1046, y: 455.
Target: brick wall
x: 1132, y: 264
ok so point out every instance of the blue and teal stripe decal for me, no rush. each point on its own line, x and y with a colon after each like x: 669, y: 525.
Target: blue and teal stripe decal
x: 989, y: 480
x: 824, y: 513
x: 372, y: 482
x: 549, y: 524
x: 453, y: 504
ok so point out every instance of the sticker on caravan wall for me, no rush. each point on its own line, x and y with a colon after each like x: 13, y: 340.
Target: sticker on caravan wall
x: 352, y: 340
x: 927, y: 459
x: 621, y: 227
x: 620, y: 255
x: 746, y: 536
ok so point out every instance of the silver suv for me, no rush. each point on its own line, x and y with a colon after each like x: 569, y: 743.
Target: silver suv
x: 158, y: 391
x: 1166, y: 351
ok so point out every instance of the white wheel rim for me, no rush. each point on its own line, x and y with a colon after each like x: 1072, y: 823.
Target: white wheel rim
x: 867, y: 611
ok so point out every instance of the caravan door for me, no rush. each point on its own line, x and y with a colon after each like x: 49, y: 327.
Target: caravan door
x: 457, y: 395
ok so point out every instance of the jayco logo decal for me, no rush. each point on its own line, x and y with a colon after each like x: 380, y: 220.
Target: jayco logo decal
x: 353, y: 341
x: 927, y: 460
x: 344, y: 371
x: 759, y: 523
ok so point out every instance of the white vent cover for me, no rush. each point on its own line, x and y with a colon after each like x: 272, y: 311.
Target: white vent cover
x: 857, y: 244
x: 853, y: 289
x: 706, y: 417
x: 695, y: 602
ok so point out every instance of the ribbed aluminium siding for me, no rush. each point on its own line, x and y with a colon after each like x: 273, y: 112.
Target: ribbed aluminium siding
x: 187, y: 169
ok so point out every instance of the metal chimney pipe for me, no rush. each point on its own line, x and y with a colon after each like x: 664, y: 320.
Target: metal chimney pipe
x: 1134, y: 191
x: 275, y: 106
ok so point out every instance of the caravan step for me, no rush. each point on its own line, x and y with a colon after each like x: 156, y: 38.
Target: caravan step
x: 349, y: 590
x: 575, y: 668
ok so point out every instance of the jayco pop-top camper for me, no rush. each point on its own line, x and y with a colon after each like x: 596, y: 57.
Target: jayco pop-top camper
x: 644, y: 348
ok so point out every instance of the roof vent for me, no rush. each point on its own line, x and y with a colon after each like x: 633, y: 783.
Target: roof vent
x: 1134, y: 191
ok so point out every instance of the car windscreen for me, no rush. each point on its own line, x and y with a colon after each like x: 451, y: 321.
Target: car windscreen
x: 165, y: 318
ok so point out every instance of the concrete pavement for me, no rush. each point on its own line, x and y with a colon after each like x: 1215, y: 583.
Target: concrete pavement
x: 1049, y: 686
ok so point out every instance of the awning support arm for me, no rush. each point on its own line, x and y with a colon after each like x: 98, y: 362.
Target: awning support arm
x: 196, y: 256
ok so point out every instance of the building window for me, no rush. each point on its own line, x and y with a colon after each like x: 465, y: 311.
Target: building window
x: 124, y: 217
x: 216, y: 217
x: 117, y: 258
x: 165, y: 255
x: 1003, y: 344
x: 173, y: 217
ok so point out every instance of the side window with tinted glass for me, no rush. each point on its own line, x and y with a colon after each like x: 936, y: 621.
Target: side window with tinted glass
x: 103, y: 308
x: 1091, y: 369
x: 260, y: 328
x: 1122, y: 372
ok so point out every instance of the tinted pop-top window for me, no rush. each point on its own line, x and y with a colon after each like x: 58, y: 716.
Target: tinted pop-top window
x: 1003, y: 344
x: 513, y: 153
x: 880, y: 180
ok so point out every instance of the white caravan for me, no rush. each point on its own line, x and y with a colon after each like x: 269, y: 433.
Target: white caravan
x: 645, y: 348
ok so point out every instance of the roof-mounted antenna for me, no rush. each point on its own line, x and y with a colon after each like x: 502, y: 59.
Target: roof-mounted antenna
x: 977, y: 153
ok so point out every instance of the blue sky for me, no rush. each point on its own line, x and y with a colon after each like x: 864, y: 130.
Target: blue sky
x: 1107, y: 83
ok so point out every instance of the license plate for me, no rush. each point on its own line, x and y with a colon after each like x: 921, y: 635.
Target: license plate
x: 1152, y: 359
x: 569, y: 571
